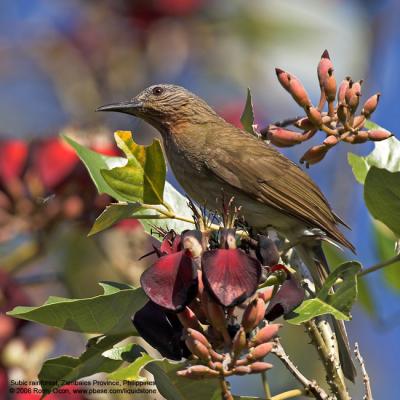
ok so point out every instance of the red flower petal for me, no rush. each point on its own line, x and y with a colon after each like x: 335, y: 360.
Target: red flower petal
x: 54, y: 161
x: 171, y: 281
x: 230, y: 275
x: 171, y: 243
x: 13, y: 154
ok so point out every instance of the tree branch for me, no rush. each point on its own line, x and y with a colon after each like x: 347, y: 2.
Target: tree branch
x: 291, y: 393
x: 310, y: 386
x: 367, y: 382
x: 380, y: 265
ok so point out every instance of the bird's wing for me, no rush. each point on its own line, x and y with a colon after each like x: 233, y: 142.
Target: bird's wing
x: 265, y: 174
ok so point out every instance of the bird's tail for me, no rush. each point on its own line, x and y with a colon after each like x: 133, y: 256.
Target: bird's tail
x: 314, y: 258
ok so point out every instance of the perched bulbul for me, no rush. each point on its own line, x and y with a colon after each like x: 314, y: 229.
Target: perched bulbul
x: 208, y: 154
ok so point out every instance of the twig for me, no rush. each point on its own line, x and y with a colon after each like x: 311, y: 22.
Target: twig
x: 367, y: 382
x: 311, y: 386
x: 329, y: 360
x: 291, y: 393
x: 226, y: 393
x: 380, y: 265
x: 285, y: 122
x: 267, y: 389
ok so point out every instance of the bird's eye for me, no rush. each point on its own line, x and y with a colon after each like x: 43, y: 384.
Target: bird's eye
x: 158, y: 90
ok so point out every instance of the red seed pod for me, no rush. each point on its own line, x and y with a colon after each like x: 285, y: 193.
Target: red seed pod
x: 198, y: 371
x: 189, y: 320
x: 314, y: 116
x: 197, y: 348
x: 331, y: 141
x: 324, y: 65
x: 253, y: 314
x: 239, y: 342
x: 266, y: 294
x: 314, y: 154
x: 198, y: 336
x: 283, y: 78
x: 283, y: 137
x: 341, y: 95
x: 265, y: 334
x: 342, y: 113
x: 259, y: 366
x: 260, y: 351
x: 378, y: 135
x: 299, y: 94
x: 304, y: 123
x: 370, y: 105
x: 242, y: 370
x: 329, y: 86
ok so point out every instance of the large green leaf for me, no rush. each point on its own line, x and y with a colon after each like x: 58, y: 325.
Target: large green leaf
x: 107, y: 314
x: 94, y: 163
x: 339, y: 303
x: 142, y: 178
x: 385, y: 243
x: 59, y: 371
x: 247, y: 118
x: 385, y: 155
x: 336, y: 257
x: 382, y: 197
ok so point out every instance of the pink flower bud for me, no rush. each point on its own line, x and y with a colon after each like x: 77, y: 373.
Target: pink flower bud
x: 359, y: 121
x: 370, y: 105
x: 342, y: 113
x: 253, y: 314
x: 341, y: 96
x: 299, y: 94
x: 352, y: 95
x: 198, y: 371
x: 283, y: 78
x: 188, y: 319
x: 378, y: 135
x: 314, y: 116
x: 265, y: 334
x: 217, y: 316
x: 314, y: 154
x: 331, y: 141
x: 304, y: 123
x: 242, y: 370
x: 259, y: 366
x: 216, y: 365
x: 197, y: 348
x: 239, y: 342
x: 356, y: 138
x: 324, y: 65
x: 329, y: 85
x: 266, y: 294
x: 259, y: 352
x: 216, y: 356
x: 283, y: 137
x: 198, y: 336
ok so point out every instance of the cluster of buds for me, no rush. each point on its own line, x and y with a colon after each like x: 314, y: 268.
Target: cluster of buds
x: 209, y: 303
x: 338, y: 123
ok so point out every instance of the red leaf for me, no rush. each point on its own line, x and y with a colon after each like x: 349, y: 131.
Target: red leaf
x: 230, y: 275
x: 171, y: 281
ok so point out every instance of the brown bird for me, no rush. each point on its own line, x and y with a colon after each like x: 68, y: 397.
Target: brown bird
x: 208, y: 154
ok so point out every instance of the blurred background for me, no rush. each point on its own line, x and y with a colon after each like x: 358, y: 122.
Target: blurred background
x: 60, y: 60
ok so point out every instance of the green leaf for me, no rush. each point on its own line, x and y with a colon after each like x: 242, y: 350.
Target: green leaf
x: 132, y: 371
x: 339, y: 303
x: 382, y: 197
x: 336, y: 257
x: 385, y: 155
x: 385, y: 243
x: 112, y: 214
x: 59, y: 371
x: 107, y: 314
x: 94, y: 162
x: 142, y: 178
x: 247, y: 118
x: 169, y: 384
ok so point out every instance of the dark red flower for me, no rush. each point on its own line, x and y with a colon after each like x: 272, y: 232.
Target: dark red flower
x: 172, y: 281
x: 13, y: 157
x: 162, y: 330
x: 230, y: 275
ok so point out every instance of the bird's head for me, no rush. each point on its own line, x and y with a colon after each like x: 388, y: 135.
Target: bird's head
x: 164, y: 105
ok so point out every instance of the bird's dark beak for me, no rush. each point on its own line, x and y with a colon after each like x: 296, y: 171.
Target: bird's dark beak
x: 132, y: 107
